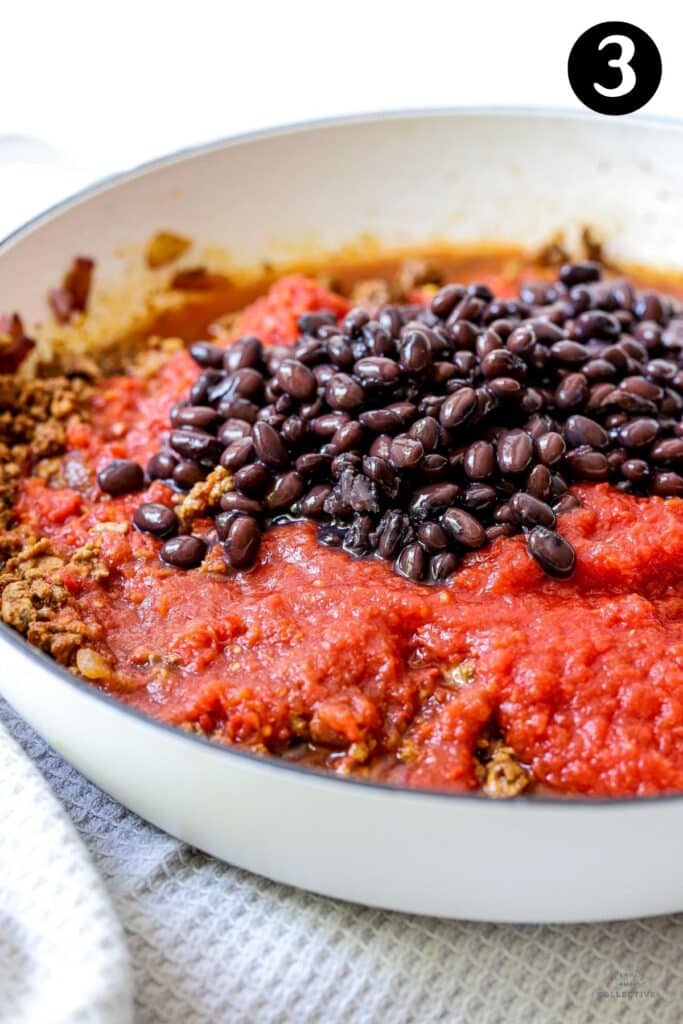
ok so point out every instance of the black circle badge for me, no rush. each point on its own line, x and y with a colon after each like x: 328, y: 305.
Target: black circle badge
x: 614, y: 68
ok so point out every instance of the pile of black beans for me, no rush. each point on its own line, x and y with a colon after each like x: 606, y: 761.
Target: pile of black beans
x: 420, y: 434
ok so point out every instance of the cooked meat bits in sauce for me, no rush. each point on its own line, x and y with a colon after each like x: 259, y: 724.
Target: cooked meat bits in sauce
x: 434, y: 540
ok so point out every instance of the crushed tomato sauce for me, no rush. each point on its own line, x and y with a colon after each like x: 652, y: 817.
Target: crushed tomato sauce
x: 316, y: 656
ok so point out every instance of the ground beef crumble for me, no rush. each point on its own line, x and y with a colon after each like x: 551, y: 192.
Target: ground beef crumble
x: 34, y: 415
x: 33, y: 423
x: 35, y: 601
x: 499, y: 770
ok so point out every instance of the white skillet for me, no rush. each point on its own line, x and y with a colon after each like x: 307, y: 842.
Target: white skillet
x: 461, y: 176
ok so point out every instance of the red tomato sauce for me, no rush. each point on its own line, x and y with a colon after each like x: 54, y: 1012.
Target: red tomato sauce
x: 313, y: 654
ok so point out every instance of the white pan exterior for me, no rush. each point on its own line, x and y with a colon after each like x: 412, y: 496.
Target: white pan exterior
x: 457, y: 177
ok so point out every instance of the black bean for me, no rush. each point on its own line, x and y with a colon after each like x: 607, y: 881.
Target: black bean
x: 355, y: 319
x: 500, y: 362
x: 458, y: 408
x: 667, y: 485
x: 488, y: 342
x: 545, y: 330
x: 638, y: 433
x: 633, y: 348
x: 342, y: 392
x: 581, y: 430
x: 446, y: 299
x: 411, y: 562
x: 539, y: 482
x: 515, y: 451
x: 234, y: 430
x: 237, y: 408
x: 567, y: 503
x: 237, y: 454
x: 312, y: 505
x: 464, y: 528
x: 161, y: 466
x: 382, y: 473
x: 586, y: 464
x: 207, y: 354
x: 188, y: 473
x: 505, y: 387
x: 322, y: 373
x: 376, y: 370
x: 599, y: 370
x: 391, y: 530
x: 415, y: 351
x: 669, y: 450
x: 390, y: 319
x: 199, y: 392
x: 469, y: 308
x: 522, y: 340
x: 649, y: 306
x: 464, y: 336
x: 242, y: 542
x: 196, y: 445
x: 202, y: 417
x: 500, y: 530
x: 434, y: 498
x: 405, y: 452
x: 253, y: 480
x: 234, y: 502
x: 287, y: 489
x: 572, y: 392
x: 310, y: 323
x: 595, y: 324
x: 529, y: 511
x: 569, y: 353
x: 328, y: 424
x: 381, y: 420
x: 642, y: 387
x: 294, y: 430
x: 121, y: 476
x: 347, y: 436
x: 443, y: 565
x: 381, y: 446
x: 554, y: 554
x: 432, y: 537
x: 244, y: 353
x: 479, y: 461
x: 635, y: 470
x: 627, y: 402
x: 479, y: 498
x: 615, y: 460
x: 273, y: 356
x: 648, y: 333
x: 550, y: 447
x: 296, y: 379
x: 404, y: 410
x: 269, y: 446
x: 538, y: 424
x: 504, y: 514
x: 579, y: 273
x: 426, y: 431
x: 155, y: 518
x: 184, y: 552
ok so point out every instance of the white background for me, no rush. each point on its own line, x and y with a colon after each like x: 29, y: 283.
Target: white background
x: 106, y: 85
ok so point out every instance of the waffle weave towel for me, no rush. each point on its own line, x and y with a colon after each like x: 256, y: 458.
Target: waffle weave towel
x: 211, y: 944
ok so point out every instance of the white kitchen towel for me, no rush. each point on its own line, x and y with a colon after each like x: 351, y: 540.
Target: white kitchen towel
x: 63, y: 956
x: 212, y: 944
